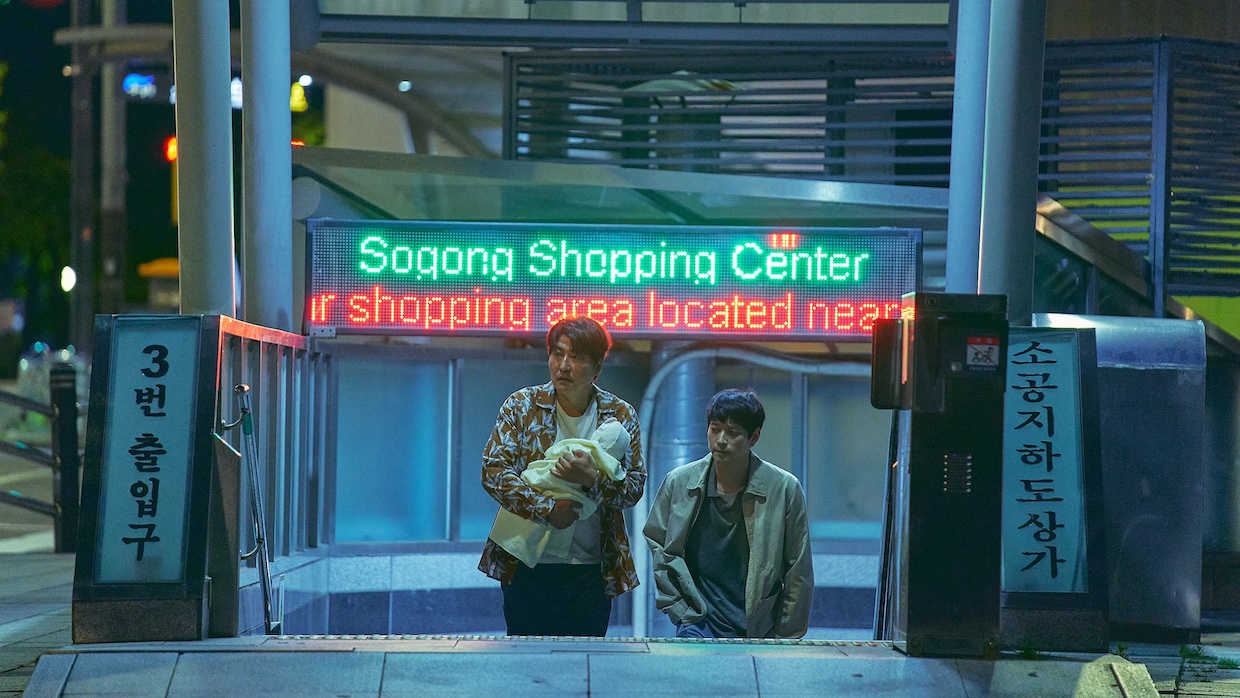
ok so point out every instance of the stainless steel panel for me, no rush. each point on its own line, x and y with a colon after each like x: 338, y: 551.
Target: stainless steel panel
x: 1151, y: 375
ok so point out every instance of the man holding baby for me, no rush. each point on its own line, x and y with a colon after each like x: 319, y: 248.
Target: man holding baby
x: 580, y: 558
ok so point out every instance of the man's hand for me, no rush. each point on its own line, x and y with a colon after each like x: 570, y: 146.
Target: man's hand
x: 563, y: 514
x: 576, y: 467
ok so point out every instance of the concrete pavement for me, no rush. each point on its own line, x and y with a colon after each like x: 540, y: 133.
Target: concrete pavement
x: 36, y: 657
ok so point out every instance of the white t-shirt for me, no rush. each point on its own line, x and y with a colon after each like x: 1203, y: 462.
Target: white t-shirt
x: 587, y: 533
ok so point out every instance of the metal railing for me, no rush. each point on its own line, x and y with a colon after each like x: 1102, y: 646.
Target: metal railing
x: 293, y: 446
x: 64, y: 457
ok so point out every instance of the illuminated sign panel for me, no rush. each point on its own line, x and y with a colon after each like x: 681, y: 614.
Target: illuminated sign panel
x: 500, y: 279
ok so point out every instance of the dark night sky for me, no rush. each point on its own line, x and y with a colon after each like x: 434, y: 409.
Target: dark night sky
x: 36, y: 94
x: 36, y: 97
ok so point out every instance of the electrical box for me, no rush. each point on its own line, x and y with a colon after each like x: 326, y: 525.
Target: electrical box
x: 942, y: 367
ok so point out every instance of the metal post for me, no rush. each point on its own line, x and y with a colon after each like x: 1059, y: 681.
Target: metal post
x: 1010, y: 165
x: 1160, y: 179
x: 113, y: 173
x: 964, y: 200
x: 66, y: 491
x: 261, y: 551
x: 266, y: 164
x: 82, y: 190
x: 201, y: 48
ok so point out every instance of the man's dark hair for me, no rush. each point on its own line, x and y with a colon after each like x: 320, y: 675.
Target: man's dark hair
x: 584, y: 334
x: 741, y: 407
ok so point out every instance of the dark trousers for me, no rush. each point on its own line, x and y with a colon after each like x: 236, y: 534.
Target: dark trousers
x: 556, y: 600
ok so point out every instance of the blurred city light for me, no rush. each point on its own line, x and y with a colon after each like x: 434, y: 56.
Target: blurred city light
x: 297, y: 98
x: 139, y: 85
x: 68, y: 279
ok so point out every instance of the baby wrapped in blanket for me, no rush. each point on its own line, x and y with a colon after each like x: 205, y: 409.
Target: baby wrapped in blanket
x: 528, y: 540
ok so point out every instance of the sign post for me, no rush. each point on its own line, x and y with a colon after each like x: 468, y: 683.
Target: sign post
x: 1054, y: 571
x: 141, y: 565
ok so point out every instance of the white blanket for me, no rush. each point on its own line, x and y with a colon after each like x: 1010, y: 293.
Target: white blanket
x: 529, y: 540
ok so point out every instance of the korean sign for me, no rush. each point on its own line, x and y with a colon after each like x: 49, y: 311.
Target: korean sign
x: 1044, y: 526
x: 147, y: 451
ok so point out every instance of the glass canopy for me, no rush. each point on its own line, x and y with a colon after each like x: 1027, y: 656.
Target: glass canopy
x: 421, y: 187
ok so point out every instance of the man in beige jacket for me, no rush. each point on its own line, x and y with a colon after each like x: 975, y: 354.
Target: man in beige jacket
x: 730, y: 537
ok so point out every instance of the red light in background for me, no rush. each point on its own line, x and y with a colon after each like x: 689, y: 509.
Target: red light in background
x: 170, y: 147
x: 783, y: 240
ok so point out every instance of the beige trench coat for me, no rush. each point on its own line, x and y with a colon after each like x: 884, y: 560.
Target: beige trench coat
x: 779, y: 584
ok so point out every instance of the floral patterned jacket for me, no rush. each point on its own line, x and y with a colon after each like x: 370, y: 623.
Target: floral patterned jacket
x: 523, y: 432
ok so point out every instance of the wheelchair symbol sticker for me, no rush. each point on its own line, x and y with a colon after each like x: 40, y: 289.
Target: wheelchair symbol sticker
x: 982, y: 354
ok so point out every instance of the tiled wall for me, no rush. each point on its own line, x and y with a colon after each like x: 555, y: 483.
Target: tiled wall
x: 301, y: 595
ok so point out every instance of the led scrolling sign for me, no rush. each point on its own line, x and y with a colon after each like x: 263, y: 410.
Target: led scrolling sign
x: 498, y: 279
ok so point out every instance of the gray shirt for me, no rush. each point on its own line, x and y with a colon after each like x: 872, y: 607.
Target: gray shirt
x: 717, y: 552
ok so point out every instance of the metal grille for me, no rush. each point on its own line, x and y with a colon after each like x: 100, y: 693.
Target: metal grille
x: 851, y: 117
x: 1139, y: 137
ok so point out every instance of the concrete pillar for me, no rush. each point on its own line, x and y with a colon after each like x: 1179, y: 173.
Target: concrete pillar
x: 266, y: 165
x: 964, y: 202
x: 201, y: 49
x: 113, y: 174
x: 1010, y: 164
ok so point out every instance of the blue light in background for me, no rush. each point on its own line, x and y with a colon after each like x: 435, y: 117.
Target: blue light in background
x: 138, y: 85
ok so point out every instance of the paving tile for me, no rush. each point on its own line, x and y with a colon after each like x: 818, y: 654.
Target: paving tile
x: 50, y: 675
x: 15, y: 656
x: 255, y: 672
x: 459, y: 675
x: 61, y: 594
x: 121, y: 674
x: 751, y: 650
x: 17, y: 611
x: 13, y: 683
x: 40, y: 626
x: 890, y: 676
x: 616, y: 675
x: 1209, y: 690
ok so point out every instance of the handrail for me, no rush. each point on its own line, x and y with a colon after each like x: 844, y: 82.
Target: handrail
x: 25, y: 403
x: 64, y: 458
x: 258, y: 333
x: 33, y: 454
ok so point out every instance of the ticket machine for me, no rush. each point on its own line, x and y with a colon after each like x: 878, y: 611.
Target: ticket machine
x: 941, y: 368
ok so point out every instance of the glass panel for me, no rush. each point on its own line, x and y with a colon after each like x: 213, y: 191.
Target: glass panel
x: 761, y: 210
x: 428, y: 196
x: 485, y: 385
x: 797, y: 13
x: 1061, y: 282
x: 497, y: 9
x: 417, y: 187
x: 391, y: 451
x: 775, y: 391
x: 846, y: 459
